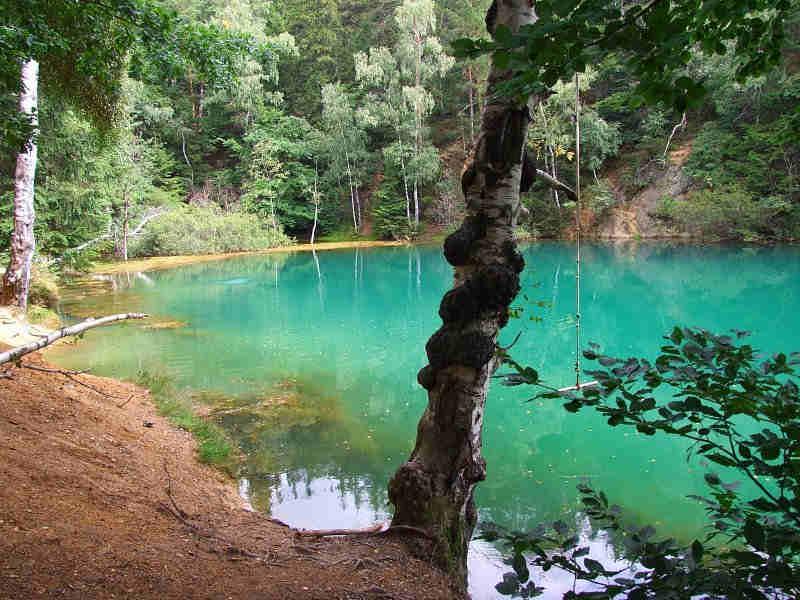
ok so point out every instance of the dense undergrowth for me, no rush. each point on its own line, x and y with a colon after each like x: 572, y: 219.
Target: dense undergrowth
x: 191, y: 230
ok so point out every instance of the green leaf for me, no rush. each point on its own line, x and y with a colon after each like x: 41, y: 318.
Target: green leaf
x: 721, y: 459
x: 502, y: 59
x: 764, y: 505
x: 520, y: 566
x: 503, y: 35
x: 593, y: 566
x: 646, y: 429
x: 697, y: 551
x: 509, y: 586
x: 462, y: 47
x: 770, y: 452
x: 754, y: 534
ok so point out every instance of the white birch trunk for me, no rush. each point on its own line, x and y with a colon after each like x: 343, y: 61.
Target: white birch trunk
x: 416, y: 205
x: 316, y: 207
x: 17, y: 278
x: 434, y: 489
x: 352, y: 191
x: 405, y: 178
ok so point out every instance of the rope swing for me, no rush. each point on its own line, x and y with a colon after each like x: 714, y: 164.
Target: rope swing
x: 578, y: 385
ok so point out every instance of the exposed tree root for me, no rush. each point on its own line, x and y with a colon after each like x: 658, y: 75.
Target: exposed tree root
x: 181, y: 515
x: 71, y: 375
x: 377, y: 529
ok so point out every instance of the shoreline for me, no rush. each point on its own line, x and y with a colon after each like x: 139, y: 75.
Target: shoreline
x: 156, y: 263
x: 15, y: 331
x: 102, y: 496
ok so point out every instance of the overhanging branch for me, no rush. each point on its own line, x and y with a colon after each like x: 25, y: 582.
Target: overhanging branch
x: 556, y: 184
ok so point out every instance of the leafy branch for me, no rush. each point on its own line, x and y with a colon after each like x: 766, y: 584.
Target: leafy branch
x: 656, y: 39
x: 739, y: 411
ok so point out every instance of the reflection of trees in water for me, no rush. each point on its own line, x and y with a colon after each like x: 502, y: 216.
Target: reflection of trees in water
x: 349, y: 328
x: 307, y: 435
x: 350, y: 491
x: 634, y: 292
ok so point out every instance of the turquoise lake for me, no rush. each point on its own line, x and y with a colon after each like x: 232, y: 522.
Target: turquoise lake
x: 313, y: 360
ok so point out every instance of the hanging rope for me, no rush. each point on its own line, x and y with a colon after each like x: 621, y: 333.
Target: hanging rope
x: 577, y: 232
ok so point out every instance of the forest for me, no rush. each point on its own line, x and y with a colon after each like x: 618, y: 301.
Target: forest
x: 275, y: 121
x: 358, y: 164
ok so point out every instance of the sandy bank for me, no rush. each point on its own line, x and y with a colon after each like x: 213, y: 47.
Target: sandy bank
x: 17, y: 332
x: 101, y: 498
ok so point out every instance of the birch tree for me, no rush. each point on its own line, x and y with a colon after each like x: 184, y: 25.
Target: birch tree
x: 398, y: 83
x: 552, y: 134
x: 466, y: 18
x: 434, y: 489
x: 347, y: 149
x: 17, y: 278
x: 83, y: 49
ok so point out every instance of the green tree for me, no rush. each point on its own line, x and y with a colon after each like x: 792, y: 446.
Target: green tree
x: 398, y: 94
x: 321, y: 57
x: 552, y: 134
x: 81, y: 48
x: 279, y: 182
x: 345, y: 150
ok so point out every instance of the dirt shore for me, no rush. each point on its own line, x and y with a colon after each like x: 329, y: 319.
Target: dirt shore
x: 102, y: 498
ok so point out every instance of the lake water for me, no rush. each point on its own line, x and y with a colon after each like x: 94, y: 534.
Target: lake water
x: 313, y: 361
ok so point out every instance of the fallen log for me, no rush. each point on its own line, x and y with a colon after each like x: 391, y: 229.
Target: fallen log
x: 15, y: 354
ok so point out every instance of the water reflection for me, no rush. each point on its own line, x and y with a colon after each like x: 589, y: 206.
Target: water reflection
x: 312, y: 359
x: 318, y: 502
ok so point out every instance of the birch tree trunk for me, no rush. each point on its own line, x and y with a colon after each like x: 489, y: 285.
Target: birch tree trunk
x: 434, y: 489
x: 122, y: 248
x: 316, y: 206
x: 416, y: 205
x: 405, y: 178
x: 17, y: 278
x: 352, y: 192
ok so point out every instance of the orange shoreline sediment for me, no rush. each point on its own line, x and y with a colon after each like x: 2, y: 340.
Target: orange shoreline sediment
x: 166, y: 262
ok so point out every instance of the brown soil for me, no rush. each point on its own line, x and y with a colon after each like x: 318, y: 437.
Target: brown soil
x: 102, y: 498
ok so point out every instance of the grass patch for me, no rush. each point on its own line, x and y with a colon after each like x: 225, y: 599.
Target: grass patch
x: 214, y: 446
x: 40, y: 315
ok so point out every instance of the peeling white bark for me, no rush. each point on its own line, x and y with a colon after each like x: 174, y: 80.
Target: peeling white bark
x: 17, y: 278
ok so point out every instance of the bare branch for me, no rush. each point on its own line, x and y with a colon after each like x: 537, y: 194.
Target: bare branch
x: 149, y: 216
x: 681, y: 125
x: 556, y: 184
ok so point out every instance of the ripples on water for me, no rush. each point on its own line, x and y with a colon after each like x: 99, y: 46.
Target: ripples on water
x: 316, y: 358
